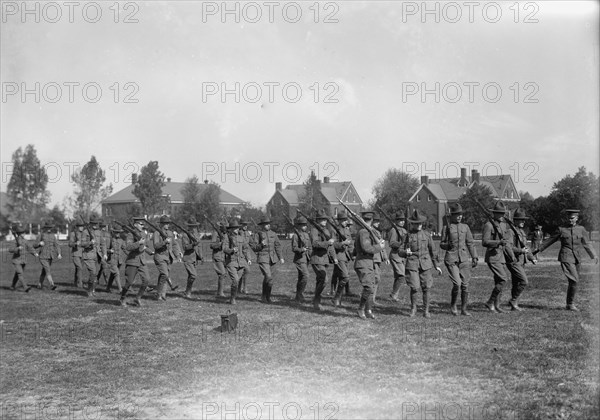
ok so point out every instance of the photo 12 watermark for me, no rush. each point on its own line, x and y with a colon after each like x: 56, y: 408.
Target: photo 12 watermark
x: 57, y: 411
x: 269, y: 92
x: 269, y: 410
x: 469, y: 11
x: 270, y: 12
x: 469, y: 92
x: 69, y: 11
x: 70, y: 92
x: 473, y: 171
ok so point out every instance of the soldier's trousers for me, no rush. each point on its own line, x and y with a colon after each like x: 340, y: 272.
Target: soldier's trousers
x: 340, y: 276
x: 460, y: 275
x: 321, y: 272
x: 265, y: 269
x: 500, y: 273
x: 115, y: 276
x: 46, y: 271
x: 90, y: 266
x: 518, y: 278
x: 104, y: 268
x: 19, y: 276
x: 419, y: 279
x: 366, y: 277
x: 78, y: 275
x: 131, y: 272
x: 572, y: 272
x: 164, y: 271
x: 399, y: 270
x: 302, y: 268
x: 190, y: 268
x: 219, y: 269
x: 234, y: 274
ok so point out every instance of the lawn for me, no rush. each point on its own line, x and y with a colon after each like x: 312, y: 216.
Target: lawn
x: 64, y: 355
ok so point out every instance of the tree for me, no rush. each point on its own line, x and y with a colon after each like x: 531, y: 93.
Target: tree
x: 209, y: 201
x: 148, y: 189
x: 393, y: 190
x: 191, y: 193
x: 27, y: 186
x: 312, y: 198
x: 472, y: 213
x: 57, y: 216
x: 89, y: 190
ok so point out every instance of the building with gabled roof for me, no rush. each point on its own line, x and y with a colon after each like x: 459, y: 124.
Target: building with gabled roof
x: 434, y: 195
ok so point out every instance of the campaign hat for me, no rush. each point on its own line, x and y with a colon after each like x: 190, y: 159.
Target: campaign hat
x: 417, y: 217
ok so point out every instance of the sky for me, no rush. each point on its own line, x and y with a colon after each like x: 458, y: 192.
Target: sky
x: 247, y: 94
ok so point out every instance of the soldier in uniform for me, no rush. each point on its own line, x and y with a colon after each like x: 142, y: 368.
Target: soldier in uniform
x: 49, y: 250
x: 218, y: 259
x: 135, y: 264
x: 320, y: 257
x: 104, y: 237
x: 344, y: 248
x: 516, y: 267
x: 396, y: 238
x: 537, y: 237
x: 366, y: 247
x: 235, y: 249
x: 89, y: 256
x: 572, y: 238
x: 19, y: 251
x: 164, y: 255
x: 378, y: 258
x: 247, y: 237
x: 267, y: 248
x: 192, y: 254
x: 77, y: 253
x: 461, y: 256
x: 421, y: 259
x: 497, y: 239
x: 116, y: 258
x: 301, y: 246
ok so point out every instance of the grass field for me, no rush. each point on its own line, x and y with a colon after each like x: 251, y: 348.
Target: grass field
x: 64, y: 355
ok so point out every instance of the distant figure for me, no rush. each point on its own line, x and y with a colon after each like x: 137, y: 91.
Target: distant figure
x: 537, y: 237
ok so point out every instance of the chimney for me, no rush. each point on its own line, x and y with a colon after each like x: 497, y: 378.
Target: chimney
x: 326, y: 180
x: 424, y: 179
x: 168, y: 179
x: 474, y: 175
x: 278, y: 186
x: 206, y: 181
x: 133, y: 179
x: 463, y: 173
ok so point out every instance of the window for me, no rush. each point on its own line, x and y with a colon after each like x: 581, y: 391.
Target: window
x: 335, y: 211
x: 418, y: 198
x: 429, y: 197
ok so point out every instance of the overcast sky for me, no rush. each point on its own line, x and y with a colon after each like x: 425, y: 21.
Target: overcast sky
x: 518, y: 98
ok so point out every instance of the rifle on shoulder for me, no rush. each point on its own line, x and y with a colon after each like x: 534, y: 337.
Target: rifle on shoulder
x: 187, y: 232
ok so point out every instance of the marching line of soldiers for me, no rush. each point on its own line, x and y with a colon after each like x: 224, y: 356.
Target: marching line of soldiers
x: 412, y: 255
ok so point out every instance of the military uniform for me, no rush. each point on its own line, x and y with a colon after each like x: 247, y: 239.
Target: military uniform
x: 378, y: 258
x: 537, y: 237
x: 100, y: 254
x: 89, y: 256
x: 460, y: 257
x: 267, y: 248
x: 116, y: 257
x: 320, y: 257
x: 396, y: 238
x: 344, y: 249
x: 165, y: 251
x: 218, y: 262
x: 77, y: 253
x: 19, y: 251
x: 302, y: 248
x: 103, y: 237
x: 516, y: 267
x: 235, y: 249
x: 49, y: 250
x: 247, y: 237
x: 192, y: 254
x: 135, y: 263
x: 573, y: 240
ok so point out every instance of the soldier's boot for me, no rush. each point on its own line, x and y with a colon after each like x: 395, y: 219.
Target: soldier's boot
x: 514, y: 305
x: 396, y: 290
x: 413, y: 302
x: 242, y: 285
x: 453, y: 299
x: 497, y: 304
x: 464, y: 297
x: 374, y: 297
x: 571, y: 290
x: 52, y: 285
x: 348, y: 292
x: 220, y: 287
x: 91, y: 287
x: 490, y: 304
x: 188, y: 289
x: 361, y: 308
x: 161, y: 290
x: 337, y: 299
x: 234, y: 290
x: 269, y: 289
x: 300, y: 291
x: 140, y: 295
x: 111, y: 278
x: 426, y: 313
x: 317, y: 303
x: 369, y: 307
x: 123, y: 297
x: 263, y: 296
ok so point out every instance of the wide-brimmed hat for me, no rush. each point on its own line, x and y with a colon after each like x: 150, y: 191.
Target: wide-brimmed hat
x: 116, y: 229
x: 192, y: 222
x: 321, y: 215
x: 376, y: 217
x: 417, y: 217
x: 520, y: 215
x: 400, y: 216
x: 499, y: 207
x: 456, y: 208
x: 300, y: 220
x: 164, y: 219
x: 538, y: 226
x: 139, y: 219
x: 79, y: 223
x: 233, y: 224
x: 94, y: 220
x: 244, y: 222
x: 367, y: 214
x: 342, y: 215
x: 572, y: 211
x: 265, y: 220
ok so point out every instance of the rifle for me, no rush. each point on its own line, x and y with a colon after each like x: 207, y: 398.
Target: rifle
x: 162, y: 234
x: 215, y: 227
x: 187, y: 232
x: 258, y: 231
x: 335, y: 227
x: 446, y: 231
x: 360, y: 221
x: 132, y: 230
x: 12, y: 232
x: 291, y: 222
x: 389, y: 219
x: 315, y: 225
x: 522, y: 243
x: 499, y: 234
x: 87, y: 227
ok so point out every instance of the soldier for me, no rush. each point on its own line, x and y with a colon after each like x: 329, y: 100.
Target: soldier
x: 461, y: 256
x: 516, y: 267
x: 49, y: 250
x: 89, y: 257
x: 301, y: 246
x: 497, y: 239
x: 165, y: 250
x: 247, y: 236
x: 135, y: 264
x: 378, y: 258
x: 267, y: 248
x: 192, y: 253
x: 218, y: 258
x: 366, y: 246
x: 77, y: 253
x: 320, y: 257
x: 116, y: 257
x: 396, y: 238
x: 235, y: 249
x: 421, y: 259
x: 537, y: 237
x: 22, y: 246
x: 103, y: 237
x: 344, y: 248
x: 572, y: 239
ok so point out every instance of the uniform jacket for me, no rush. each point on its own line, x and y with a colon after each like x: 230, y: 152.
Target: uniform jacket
x: 423, y: 255
x: 74, y: 237
x: 192, y: 252
x: 495, y: 252
x: 518, y: 250
x: 572, y: 241
x: 50, y: 250
x: 18, y: 255
x: 217, y: 248
x: 100, y: 246
x: 117, y: 254
x: 459, y: 244
x: 89, y: 248
x: 270, y: 252
x: 163, y: 250
x: 321, y: 249
x: 343, y: 252
x: 301, y: 242
x: 396, y: 240
x: 236, y: 258
x: 135, y: 251
x: 365, y: 249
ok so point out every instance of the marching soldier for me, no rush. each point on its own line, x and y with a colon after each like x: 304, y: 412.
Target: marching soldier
x: 89, y: 256
x: 516, y: 267
x: 247, y: 237
x: 378, y: 258
x: 77, y: 253
x: 164, y: 255
x: 461, y: 256
x: 135, y: 264
x: 100, y: 247
x: 366, y: 247
x: 116, y: 258
x: 49, y: 250
x: 421, y: 259
x: 537, y: 237
x: 236, y: 256
x: 497, y: 239
x: 396, y: 238
x: 301, y: 246
x: 19, y: 251
x: 192, y: 254
x: 320, y: 257
x: 344, y: 248
x: 572, y: 239
x: 267, y: 248
x: 103, y: 237
x: 218, y: 259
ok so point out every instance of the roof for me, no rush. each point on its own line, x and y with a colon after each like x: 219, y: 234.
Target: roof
x: 330, y: 190
x: 170, y: 188
x: 447, y: 189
